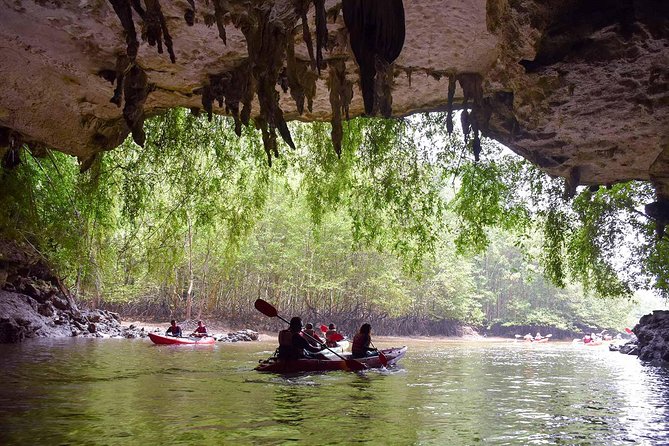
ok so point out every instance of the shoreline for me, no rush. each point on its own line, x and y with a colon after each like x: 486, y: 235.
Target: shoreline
x: 216, y: 329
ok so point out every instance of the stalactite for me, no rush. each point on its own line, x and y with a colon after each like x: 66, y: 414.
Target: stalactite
x: 154, y: 22
x: 124, y: 13
x: 376, y: 30
x: 301, y: 9
x: 220, y: 10
x: 135, y: 91
x: 123, y: 64
x: 156, y: 28
x: 321, y: 32
x: 472, y: 89
x: 572, y: 182
x: 266, y: 31
x: 132, y: 86
x: 451, y: 95
x: 300, y: 80
x: 229, y: 88
x: 341, y: 93
x: 189, y: 15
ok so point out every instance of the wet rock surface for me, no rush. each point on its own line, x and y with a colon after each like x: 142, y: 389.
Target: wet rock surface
x: 652, y: 332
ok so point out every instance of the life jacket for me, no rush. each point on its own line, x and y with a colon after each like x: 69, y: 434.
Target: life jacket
x: 287, y: 349
x: 285, y: 338
x: 328, y: 338
x: 360, y: 343
x: 174, y: 330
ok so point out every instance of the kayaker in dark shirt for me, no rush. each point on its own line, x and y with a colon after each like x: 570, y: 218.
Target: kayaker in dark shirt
x: 361, y: 343
x: 200, y: 331
x: 174, y: 329
x: 291, y: 343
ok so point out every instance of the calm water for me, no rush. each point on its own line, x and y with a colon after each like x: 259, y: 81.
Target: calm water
x: 126, y: 392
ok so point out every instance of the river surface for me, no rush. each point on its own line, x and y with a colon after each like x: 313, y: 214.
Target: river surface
x: 127, y: 392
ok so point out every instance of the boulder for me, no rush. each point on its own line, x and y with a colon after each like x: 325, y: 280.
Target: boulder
x: 652, y: 332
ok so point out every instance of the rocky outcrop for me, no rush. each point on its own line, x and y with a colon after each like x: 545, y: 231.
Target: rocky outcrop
x: 23, y: 317
x: 579, y: 88
x: 652, y: 332
x: 34, y: 303
x: 245, y: 335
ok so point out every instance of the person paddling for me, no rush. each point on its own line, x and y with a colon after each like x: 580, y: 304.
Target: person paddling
x: 292, y: 345
x: 361, y: 343
x: 200, y: 331
x: 312, y: 336
x: 330, y: 335
x: 174, y: 329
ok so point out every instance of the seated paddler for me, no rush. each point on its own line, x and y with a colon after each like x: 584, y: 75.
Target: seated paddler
x: 292, y: 345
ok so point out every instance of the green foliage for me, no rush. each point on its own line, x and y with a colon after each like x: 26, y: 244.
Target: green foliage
x: 404, y: 223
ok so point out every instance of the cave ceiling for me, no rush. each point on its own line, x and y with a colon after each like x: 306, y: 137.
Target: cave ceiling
x: 580, y: 88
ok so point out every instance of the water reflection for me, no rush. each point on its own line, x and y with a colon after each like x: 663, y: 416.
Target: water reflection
x: 126, y: 392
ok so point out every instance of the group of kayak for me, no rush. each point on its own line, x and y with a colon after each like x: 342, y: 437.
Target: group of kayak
x: 301, y: 349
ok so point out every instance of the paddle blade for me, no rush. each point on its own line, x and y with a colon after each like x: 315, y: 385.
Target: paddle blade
x: 549, y: 335
x: 324, y: 328
x: 337, y: 337
x: 265, y: 308
x: 383, y: 359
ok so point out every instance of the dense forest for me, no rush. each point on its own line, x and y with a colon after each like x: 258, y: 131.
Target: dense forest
x: 404, y: 229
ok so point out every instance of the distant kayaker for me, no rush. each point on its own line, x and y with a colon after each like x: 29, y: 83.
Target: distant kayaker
x: 200, y: 331
x: 587, y: 339
x: 361, y: 343
x: 174, y: 329
x: 538, y: 337
x: 291, y: 343
x: 330, y: 334
x: 312, y: 336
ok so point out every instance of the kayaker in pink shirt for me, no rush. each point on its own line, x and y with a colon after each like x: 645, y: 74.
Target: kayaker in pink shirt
x: 200, y: 331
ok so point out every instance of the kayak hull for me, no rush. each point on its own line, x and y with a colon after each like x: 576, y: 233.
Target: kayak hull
x: 171, y: 340
x: 324, y: 365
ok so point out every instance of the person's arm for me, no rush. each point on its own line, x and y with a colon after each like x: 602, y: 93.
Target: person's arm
x: 369, y: 343
x: 300, y: 342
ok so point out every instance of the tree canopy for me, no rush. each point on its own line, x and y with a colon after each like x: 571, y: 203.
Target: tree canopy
x: 405, y: 222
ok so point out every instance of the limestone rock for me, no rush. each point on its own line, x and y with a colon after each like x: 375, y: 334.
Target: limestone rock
x: 652, y: 332
x: 579, y: 88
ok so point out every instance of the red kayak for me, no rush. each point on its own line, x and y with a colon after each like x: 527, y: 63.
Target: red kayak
x: 171, y: 340
x: 275, y: 365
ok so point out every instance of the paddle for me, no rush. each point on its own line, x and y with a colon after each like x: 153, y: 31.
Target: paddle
x: 382, y: 357
x: 268, y: 310
x: 337, y: 337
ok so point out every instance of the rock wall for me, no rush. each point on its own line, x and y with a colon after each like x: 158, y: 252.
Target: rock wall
x: 652, y: 333
x: 579, y: 88
x: 34, y: 303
